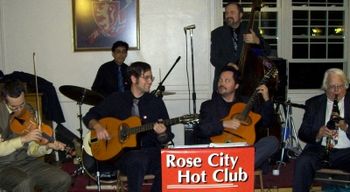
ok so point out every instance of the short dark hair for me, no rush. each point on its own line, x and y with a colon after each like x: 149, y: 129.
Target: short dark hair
x: 236, y: 73
x: 120, y: 44
x: 13, y: 88
x: 239, y: 6
x: 137, y: 68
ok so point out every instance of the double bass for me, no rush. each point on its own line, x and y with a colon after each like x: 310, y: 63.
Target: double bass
x: 252, y: 64
x: 253, y: 67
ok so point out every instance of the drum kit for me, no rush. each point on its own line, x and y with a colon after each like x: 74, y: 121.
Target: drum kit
x: 100, y: 171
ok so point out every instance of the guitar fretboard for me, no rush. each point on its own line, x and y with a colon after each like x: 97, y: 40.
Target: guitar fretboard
x: 149, y: 126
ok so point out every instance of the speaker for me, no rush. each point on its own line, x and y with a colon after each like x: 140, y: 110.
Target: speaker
x: 70, y: 139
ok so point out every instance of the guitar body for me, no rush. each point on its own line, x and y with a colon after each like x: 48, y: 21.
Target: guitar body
x: 245, y: 133
x: 107, y: 149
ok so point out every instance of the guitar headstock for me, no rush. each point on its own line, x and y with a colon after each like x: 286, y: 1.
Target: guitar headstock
x: 189, y: 119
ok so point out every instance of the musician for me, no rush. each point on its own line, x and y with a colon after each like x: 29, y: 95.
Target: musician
x: 20, y: 168
x: 146, y: 158
x: 112, y: 76
x: 218, y: 107
x: 314, y: 131
x: 227, y: 40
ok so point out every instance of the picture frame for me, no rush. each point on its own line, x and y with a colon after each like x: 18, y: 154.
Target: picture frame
x: 97, y: 24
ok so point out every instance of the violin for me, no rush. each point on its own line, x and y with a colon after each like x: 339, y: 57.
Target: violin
x: 26, y: 122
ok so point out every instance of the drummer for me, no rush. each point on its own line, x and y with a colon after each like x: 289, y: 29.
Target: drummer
x: 136, y: 102
x: 112, y: 76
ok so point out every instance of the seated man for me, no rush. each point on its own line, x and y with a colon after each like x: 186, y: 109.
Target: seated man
x: 314, y: 131
x: 213, y: 111
x: 136, y: 102
x: 20, y: 168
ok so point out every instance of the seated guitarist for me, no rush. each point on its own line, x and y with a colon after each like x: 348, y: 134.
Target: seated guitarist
x: 213, y: 111
x: 146, y: 158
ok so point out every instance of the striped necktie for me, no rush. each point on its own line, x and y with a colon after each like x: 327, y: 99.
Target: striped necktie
x: 120, y: 80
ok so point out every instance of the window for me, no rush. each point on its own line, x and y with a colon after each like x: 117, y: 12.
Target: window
x: 318, y: 41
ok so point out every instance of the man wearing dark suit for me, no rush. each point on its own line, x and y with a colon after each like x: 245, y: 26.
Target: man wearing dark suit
x: 227, y: 41
x: 314, y: 131
x: 112, y: 76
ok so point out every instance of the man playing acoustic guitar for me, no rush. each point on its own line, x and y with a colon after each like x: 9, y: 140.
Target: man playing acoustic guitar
x: 139, y: 102
x: 214, y: 122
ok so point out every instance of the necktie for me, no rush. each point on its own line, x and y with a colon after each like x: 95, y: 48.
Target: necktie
x: 235, y: 40
x: 135, y: 107
x: 120, y: 80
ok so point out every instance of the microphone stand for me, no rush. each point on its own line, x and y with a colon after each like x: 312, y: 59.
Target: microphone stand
x: 193, y: 79
x: 160, y: 89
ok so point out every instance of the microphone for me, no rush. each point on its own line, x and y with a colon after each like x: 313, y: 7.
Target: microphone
x: 177, y: 60
x: 193, y: 26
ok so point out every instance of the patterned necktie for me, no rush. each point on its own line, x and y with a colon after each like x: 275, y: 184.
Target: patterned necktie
x: 135, y: 108
x: 235, y: 40
x: 120, y: 80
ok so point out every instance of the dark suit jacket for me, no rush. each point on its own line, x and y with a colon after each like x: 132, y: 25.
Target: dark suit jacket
x: 314, y: 118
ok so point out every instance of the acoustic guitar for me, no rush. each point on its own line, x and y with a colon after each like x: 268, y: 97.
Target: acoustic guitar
x: 247, y: 118
x: 123, y: 134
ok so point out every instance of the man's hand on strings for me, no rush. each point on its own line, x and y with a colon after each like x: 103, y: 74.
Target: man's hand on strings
x: 32, y: 135
x: 264, y: 92
x: 159, y: 127
x: 101, y: 132
x: 232, y: 124
x: 56, y: 145
x: 251, y: 38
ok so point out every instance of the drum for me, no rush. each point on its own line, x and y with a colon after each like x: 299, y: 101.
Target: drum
x: 108, y: 172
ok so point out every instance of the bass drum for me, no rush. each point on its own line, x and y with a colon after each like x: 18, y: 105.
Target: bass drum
x: 108, y: 172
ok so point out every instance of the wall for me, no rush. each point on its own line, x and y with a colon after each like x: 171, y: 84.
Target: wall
x: 45, y: 27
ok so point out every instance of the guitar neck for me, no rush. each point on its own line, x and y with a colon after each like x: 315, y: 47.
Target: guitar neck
x: 149, y: 126
x: 255, y: 94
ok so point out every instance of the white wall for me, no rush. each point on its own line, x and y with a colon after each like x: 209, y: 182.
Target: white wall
x: 45, y: 27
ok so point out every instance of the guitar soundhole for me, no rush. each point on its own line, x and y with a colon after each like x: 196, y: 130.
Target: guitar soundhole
x: 123, y: 133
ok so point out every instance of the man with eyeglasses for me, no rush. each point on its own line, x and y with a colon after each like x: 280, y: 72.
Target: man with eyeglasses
x: 314, y: 131
x: 20, y: 168
x: 145, y: 159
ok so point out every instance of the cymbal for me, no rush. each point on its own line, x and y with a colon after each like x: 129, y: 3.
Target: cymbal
x: 81, y: 95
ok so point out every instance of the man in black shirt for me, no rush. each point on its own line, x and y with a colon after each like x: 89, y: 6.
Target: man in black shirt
x: 136, y: 102
x: 112, y: 76
x: 227, y: 41
x: 213, y: 115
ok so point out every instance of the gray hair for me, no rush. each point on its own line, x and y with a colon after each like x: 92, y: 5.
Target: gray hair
x: 335, y: 71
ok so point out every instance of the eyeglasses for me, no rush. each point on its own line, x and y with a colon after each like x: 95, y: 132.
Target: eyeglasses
x: 148, y: 78
x: 17, y: 107
x: 336, y: 87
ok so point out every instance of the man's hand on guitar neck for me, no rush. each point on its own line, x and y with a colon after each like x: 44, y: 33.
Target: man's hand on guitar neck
x: 159, y: 127
x: 232, y: 124
x: 101, y: 132
x: 264, y: 91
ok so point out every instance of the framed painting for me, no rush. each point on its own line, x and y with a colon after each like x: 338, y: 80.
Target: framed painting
x: 97, y: 24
